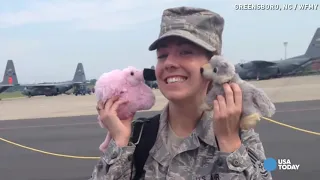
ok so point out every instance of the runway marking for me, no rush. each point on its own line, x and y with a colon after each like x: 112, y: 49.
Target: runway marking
x: 89, y: 157
x: 292, y: 127
x: 46, y: 152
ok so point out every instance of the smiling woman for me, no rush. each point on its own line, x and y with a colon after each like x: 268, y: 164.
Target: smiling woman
x: 177, y: 70
x: 187, y: 143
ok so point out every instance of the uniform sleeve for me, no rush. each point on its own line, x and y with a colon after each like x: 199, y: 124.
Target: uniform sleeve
x: 115, y: 162
x: 246, y: 163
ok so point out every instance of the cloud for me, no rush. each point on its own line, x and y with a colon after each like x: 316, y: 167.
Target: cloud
x: 19, y: 47
x: 96, y: 14
x: 93, y: 14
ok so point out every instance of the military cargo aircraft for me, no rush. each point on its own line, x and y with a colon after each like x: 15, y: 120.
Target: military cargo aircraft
x: 261, y: 69
x: 55, y: 89
x: 9, y: 78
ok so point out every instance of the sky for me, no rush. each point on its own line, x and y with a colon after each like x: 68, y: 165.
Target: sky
x: 46, y: 39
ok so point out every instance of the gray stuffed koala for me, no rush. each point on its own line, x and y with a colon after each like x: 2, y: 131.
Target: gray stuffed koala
x: 255, y: 102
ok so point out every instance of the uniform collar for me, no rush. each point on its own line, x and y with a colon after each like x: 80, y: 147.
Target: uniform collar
x: 203, y: 130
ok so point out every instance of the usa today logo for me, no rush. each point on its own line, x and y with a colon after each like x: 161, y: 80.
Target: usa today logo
x: 271, y: 164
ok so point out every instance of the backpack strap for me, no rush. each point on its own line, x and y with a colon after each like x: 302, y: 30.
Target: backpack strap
x: 144, y: 135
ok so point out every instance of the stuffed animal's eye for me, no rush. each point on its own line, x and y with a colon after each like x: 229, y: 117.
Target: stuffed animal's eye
x: 215, y: 70
x: 132, y: 73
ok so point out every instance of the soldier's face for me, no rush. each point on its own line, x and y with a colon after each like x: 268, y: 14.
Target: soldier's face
x: 178, y: 69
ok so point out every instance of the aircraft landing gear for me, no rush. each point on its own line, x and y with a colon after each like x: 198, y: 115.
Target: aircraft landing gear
x: 82, y: 90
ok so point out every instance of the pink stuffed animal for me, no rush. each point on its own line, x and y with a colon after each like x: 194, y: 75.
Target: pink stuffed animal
x: 129, y: 85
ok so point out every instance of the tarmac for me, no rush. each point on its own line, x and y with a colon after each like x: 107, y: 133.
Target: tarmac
x: 72, y: 129
x: 279, y: 90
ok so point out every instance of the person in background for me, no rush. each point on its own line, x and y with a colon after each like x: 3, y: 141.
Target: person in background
x: 190, y: 144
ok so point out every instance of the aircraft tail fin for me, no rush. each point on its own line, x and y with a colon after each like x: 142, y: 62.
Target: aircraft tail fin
x: 313, y: 50
x: 10, y: 75
x: 79, y: 75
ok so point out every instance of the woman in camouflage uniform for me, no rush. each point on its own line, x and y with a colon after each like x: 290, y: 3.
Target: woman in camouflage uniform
x: 190, y: 144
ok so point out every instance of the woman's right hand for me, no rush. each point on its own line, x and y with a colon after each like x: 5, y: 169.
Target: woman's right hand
x: 119, y: 130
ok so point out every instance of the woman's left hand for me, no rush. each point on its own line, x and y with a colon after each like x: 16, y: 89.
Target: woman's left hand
x: 226, y: 118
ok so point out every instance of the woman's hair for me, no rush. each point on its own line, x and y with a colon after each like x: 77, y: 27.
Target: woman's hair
x: 209, y: 55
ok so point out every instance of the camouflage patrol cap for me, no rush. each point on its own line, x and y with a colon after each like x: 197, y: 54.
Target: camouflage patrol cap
x: 200, y: 26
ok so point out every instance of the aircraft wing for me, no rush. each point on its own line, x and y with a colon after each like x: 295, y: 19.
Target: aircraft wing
x: 257, y: 64
x: 260, y: 63
x: 6, y: 85
x: 45, y: 85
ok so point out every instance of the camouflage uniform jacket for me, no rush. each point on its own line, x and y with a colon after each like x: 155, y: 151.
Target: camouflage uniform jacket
x: 198, y: 158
